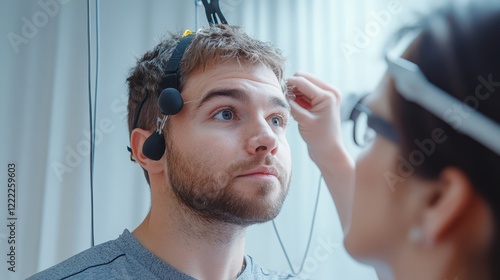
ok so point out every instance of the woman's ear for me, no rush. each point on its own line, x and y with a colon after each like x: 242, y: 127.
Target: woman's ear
x: 450, y: 199
x: 137, y: 139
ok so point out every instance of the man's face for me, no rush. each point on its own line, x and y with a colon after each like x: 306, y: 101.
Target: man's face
x: 227, y: 155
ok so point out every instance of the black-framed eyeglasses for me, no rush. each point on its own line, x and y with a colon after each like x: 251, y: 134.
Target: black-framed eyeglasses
x: 367, y: 125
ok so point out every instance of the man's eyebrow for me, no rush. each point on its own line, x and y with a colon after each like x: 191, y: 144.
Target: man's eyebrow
x: 238, y: 95
x: 280, y: 102
x: 232, y: 93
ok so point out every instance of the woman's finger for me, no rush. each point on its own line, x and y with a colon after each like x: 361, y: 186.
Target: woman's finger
x: 321, y: 84
x: 299, y: 113
x: 302, y: 86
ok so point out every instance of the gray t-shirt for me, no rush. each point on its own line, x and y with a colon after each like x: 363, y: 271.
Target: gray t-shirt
x: 126, y: 258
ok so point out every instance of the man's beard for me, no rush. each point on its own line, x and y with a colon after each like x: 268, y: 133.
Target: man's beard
x: 212, y: 195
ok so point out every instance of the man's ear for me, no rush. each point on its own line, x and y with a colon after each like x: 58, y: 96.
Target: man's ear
x: 137, y: 139
x: 450, y: 199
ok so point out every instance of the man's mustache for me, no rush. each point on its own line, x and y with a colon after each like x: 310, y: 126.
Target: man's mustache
x: 245, y: 165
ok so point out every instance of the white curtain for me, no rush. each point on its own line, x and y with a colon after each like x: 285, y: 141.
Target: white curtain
x: 44, y: 115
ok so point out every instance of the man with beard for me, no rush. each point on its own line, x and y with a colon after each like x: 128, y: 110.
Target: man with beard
x: 226, y: 164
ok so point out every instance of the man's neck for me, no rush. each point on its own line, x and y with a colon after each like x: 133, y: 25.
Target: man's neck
x: 197, y: 247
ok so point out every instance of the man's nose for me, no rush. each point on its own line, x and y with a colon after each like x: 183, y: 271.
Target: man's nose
x: 262, y: 139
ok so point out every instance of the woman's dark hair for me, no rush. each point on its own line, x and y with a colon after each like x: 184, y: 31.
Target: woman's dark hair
x: 458, y: 50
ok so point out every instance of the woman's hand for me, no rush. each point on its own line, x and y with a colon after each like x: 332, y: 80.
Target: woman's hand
x: 316, y: 108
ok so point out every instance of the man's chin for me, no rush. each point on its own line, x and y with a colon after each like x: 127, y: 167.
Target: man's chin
x: 246, y: 221
x: 244, y: 213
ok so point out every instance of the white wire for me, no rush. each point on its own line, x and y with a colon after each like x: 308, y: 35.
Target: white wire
x: 310, y: 234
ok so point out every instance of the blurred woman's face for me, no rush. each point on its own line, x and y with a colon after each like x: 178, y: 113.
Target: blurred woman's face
x: 381, y: 218
x: 397, y: 215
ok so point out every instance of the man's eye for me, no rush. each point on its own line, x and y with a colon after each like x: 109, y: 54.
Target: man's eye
x: 278, y: 121
x: 224, y: 115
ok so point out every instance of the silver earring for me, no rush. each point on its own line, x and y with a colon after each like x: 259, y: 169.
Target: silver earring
x: 416, y: 235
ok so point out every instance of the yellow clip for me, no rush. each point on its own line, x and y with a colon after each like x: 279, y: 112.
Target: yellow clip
x: 187, y: 33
